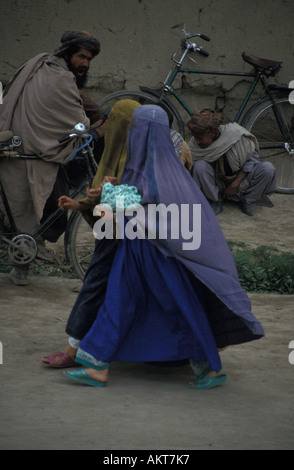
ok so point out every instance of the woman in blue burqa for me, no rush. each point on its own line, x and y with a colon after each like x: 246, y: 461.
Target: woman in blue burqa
x: 167, y: 299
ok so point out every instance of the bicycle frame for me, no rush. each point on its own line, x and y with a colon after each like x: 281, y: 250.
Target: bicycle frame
x: 256, y: 77
x: 167, y: 87
x: 55, y: 215
x: 7, y: 209
x: 273, y: 104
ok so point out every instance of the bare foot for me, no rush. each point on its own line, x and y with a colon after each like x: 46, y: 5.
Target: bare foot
x: 70, y: 351
x: 82, y: 375
x: 99, y: 375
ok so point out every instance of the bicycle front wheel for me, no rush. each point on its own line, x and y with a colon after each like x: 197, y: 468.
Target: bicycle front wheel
x: 144, y: 98
x: 276, y: 146
x: 79, y: 243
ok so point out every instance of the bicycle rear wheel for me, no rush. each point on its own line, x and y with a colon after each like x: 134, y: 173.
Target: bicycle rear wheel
x: 144, y: 98
x: 79, y: 243
x: 274, y: 146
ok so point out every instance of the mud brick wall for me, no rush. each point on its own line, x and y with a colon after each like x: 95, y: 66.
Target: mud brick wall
x: 138, y: 38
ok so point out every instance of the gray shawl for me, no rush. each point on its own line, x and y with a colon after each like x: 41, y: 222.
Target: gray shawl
x: 41, y: 103
x: 234, y: 141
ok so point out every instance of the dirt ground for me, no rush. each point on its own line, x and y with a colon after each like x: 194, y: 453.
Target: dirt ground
x: 146, y: 407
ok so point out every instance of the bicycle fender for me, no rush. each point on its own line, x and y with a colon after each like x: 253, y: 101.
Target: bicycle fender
x: 158, y: 95
x: 165, y: 101
x: 260, y: 102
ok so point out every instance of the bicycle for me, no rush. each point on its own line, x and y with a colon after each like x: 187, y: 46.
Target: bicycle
x: 270, y: 119
x: 79, y: 240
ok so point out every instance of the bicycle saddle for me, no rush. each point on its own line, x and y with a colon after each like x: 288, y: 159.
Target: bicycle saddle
x: 269, y: 67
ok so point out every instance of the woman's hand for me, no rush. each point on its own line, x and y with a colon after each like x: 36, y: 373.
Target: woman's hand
x: 110, y: 179
x: 96, y: 193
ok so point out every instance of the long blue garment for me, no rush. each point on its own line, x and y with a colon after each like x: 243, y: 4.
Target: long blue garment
x: 164, y: 302
x: 159, y: 176
x: 151, y: 311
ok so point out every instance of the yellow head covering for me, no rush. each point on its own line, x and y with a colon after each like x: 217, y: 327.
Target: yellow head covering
x: 115, y: 143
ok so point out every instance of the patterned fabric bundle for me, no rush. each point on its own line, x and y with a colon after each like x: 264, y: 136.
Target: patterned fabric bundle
x: 120, y: 197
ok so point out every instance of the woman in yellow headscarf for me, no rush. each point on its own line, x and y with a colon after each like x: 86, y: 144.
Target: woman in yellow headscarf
x: 93, y: 290
x: 112, y: 161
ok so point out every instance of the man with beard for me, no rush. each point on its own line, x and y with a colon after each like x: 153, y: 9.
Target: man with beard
x: 41, y: 103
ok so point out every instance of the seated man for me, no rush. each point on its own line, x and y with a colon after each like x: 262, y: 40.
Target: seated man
x: 227, y: 163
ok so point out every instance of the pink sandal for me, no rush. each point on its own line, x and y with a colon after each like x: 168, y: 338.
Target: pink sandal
x: 66, y: 360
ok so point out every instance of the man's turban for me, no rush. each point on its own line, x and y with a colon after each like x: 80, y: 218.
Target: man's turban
x: 81, y: 39
x: 204, y: 121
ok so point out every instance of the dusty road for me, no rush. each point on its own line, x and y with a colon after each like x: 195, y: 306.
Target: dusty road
x: 146, y: 407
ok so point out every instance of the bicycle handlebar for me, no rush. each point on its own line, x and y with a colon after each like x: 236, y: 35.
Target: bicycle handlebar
x: 78, y: 130
x: 202, y: 36
x: 190, y: 46
x: 202, y: 51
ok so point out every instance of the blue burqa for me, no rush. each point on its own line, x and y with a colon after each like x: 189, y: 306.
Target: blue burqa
x: 168, y: 301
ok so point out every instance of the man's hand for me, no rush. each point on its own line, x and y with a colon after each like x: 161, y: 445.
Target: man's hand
x: 231, y: 189
x: 100, y: 130
x: 65, y: 202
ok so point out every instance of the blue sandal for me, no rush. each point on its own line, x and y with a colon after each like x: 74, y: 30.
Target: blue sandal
x: 208, y: 382
x: 83, y: 377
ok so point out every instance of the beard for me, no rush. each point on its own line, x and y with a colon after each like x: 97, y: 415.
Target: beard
x: 80, y: 79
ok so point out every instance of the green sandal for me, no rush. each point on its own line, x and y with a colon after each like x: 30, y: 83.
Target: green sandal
x: 208, y: 382
x: 81, y: 376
